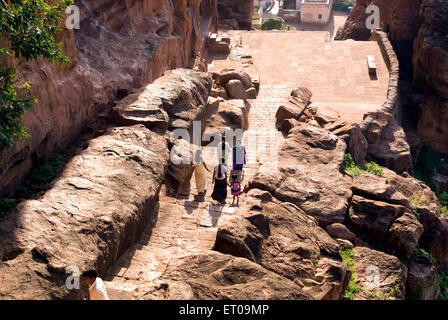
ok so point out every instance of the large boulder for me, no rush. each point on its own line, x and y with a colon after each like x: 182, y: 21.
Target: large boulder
x: 372, y: 186
x: 283, y: 239
x: 306, y: 172
x: 232, y: 114
x: 380, y: 212
x: 302, y: 93
x: 296, y: 106
x: 340, y: 231
x: 95, y: 210
x: 404, y: 234
x: 379, y: 274
x: 371, y: 218
x: 231, y: 74
x: 235, y: 89
x: 423, y: 280
x: 216, y: 276
x: 173, y: 101
x: 392, y: 149
x: 353, y: 136
x: 355, y: 26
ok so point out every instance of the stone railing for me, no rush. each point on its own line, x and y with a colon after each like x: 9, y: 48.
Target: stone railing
x: 375, y: 122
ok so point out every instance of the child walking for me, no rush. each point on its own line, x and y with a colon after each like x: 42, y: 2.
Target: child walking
x: 235, y: 187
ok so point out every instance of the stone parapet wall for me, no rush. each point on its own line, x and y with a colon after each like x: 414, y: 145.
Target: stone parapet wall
x: 375, y: 122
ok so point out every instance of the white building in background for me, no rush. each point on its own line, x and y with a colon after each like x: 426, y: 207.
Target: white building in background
x: 316, y: 11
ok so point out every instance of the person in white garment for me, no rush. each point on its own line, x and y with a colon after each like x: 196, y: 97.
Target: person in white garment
x: 223, y: 149
x: 97, y: 289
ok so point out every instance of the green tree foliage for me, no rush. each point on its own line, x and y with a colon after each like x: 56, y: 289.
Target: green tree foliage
x: 272, y: 24
x: 27, y: 30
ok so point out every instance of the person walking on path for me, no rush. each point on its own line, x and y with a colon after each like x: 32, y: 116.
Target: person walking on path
x: 235, y: 187
x: 239, y: 158
x: 220, y: 183
x: 97, y: 289
x: 223, y: 150
x: 200, y: 172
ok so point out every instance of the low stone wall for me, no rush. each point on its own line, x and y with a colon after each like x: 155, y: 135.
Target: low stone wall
x: 375, y: 122
x: 387, y: 143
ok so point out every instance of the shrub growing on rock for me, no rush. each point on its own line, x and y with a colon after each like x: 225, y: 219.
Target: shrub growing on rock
x: 349, y: 165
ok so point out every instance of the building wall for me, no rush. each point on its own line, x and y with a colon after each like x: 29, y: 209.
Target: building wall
x: 310, y: 13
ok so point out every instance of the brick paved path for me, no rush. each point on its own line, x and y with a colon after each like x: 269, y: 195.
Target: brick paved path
x: 186, y: 226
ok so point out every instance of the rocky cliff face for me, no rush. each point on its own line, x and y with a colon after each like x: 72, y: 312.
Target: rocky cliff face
x: 235, y: 14
x: 431, y: 74
x: 120, y: 45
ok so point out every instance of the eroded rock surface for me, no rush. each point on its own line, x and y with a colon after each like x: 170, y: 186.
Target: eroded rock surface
x: 379, y: 272
x: 431, y: 74
x: 93, y: 212
x: 308, y: 175
x: 120, y: 46
x: 171, y: 102
x: 216, y: 276
x: 392, y: 149
x: 236, y: 14
x: 283, y: 239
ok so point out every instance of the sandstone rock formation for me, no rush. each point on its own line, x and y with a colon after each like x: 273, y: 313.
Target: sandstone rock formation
x: 235, y: 89
x: 235, y: 14
x: 235, y: 84
x: 434, y: 238
x: 353, y: 136
x: 308, y: 174
x: 171, y: 102
x: 355, y: 26
x: 392, y: 149
x: 120, y: 46
x: 216, y: 276
x: 227, y: 114
x: 379, y: 272
x: 430, y: 74
x: 423, y: 282
x: 283, y: 239
x: 95, y: 210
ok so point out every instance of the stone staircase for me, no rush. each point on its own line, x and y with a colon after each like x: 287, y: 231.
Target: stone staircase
x: 185, y: 225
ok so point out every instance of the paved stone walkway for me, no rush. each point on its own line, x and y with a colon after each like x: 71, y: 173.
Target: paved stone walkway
x: 185, y: 225
x: 335, y: 71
